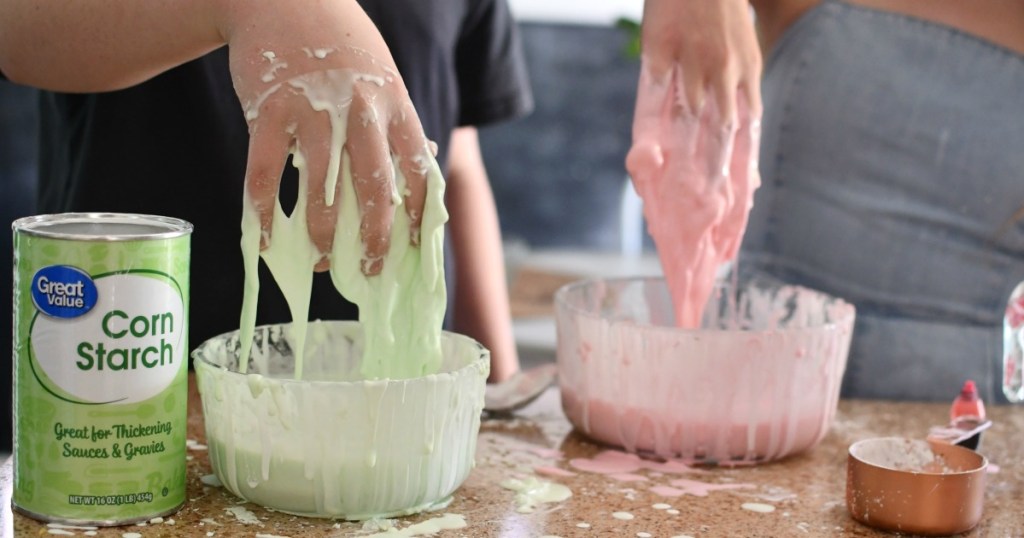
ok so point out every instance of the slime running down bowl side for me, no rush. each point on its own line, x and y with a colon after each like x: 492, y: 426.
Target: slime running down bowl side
x: 334, y: 444
x: 757, y: 382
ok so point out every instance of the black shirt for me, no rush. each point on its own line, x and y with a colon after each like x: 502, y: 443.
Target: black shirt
x: 176, y: 144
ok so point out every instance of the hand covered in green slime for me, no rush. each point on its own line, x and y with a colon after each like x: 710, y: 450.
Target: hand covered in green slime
x: 316, y: 78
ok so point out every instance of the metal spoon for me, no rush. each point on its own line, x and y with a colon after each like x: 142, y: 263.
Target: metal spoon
x: 519, y: 390
x: 966, y: 433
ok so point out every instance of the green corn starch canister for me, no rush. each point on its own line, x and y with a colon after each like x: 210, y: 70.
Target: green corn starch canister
x: 100, y: 371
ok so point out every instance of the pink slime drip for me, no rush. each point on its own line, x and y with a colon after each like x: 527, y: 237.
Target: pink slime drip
x: 547, y: 453
x: 608, y: 462
x: 628, y: 477
x: 553, y: 471
x: 683, y: 486
x: 615, y: 462
x: 697, y: 175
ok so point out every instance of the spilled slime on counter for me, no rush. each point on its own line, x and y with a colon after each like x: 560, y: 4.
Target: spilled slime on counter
x: 697, y: 186
x: 531, y: 492
x: 429, y: 527
x: 758, y: 507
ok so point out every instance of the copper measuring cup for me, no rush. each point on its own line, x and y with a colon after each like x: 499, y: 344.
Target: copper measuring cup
x: 892, y: 484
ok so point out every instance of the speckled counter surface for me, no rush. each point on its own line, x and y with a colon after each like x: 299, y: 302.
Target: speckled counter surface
x: 807, y: 491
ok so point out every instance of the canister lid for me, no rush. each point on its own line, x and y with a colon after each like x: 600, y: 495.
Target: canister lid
x: 102, y: 226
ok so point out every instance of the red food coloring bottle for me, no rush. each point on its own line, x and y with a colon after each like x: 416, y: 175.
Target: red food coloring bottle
x: 967, y: 406
x: 968, y: 412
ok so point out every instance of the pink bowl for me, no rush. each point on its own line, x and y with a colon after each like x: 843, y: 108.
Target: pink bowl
x: 757, y: 382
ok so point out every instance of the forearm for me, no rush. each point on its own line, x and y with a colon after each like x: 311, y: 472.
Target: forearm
x: 102, y: 45
x: 481, y: 308
x: 69, y: 45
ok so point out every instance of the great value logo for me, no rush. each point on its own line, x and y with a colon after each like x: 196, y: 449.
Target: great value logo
x: 63, y: 291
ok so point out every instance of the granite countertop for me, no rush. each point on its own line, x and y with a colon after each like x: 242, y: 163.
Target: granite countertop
x: 806, y: 491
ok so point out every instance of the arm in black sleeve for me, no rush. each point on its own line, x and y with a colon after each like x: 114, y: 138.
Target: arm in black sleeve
x: 493, y: 81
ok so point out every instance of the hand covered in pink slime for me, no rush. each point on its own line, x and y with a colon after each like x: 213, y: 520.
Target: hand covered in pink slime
x: 304, y: 72
x: 696, y: 133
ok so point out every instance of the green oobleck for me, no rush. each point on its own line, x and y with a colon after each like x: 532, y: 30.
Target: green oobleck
x: 346, y: 447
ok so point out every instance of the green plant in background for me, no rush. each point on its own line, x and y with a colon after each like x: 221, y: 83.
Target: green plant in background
x: 632, y: 29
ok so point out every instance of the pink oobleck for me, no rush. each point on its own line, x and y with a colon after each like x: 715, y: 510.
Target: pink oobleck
x: 623, y: 467
x: 547, y: 453
x: 758, y: 382
x: 628, y: 477
x: 696, y: 173
x: 616, y: 462
x: 549, y: 470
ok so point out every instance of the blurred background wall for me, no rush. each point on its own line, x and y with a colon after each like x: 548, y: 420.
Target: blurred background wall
x: 558, y: 175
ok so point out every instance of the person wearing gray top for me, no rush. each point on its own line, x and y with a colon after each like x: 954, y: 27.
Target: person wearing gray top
x: 893, y: 177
